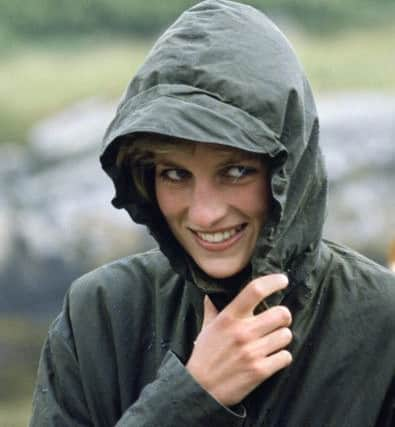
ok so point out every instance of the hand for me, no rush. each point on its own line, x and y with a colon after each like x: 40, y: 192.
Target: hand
x: 236, y: 351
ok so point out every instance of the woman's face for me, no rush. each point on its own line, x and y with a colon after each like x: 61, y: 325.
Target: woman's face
x: 215, y: 201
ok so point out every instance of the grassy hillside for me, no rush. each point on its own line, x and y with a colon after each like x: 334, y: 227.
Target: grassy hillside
x: 43, y: 17
x: 351, y: 61
x: 37, y: 80
x: 20, y: 345
x: 15, y: 413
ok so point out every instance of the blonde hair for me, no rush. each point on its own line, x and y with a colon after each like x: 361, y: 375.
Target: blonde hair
x: 138, y: 155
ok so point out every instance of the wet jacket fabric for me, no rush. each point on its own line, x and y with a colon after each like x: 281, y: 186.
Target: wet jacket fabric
x: 115, y: 355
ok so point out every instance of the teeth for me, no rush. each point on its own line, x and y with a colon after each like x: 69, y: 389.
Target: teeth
x: 219, y: 237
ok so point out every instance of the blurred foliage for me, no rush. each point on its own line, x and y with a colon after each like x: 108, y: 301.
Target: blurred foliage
x: 20, y: 345
x: 54, y: 53
x: 38, y: 79
x: 45, y: 17
x: 15, y: 413
x: 41, y: 78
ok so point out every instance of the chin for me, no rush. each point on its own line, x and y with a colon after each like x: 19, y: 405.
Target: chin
x: 219, y: 271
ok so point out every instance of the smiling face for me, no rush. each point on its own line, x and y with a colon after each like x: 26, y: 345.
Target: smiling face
x: 215, y: 200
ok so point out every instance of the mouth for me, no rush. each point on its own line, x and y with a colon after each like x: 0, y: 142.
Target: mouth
x: 219, y: 240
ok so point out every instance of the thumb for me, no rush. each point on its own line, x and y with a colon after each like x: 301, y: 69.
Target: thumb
x: 210, y: 312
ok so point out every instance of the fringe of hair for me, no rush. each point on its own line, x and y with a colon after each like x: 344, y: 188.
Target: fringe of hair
x: 138, y: 154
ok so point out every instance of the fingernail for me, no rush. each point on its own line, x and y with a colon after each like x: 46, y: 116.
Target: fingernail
x: 284, y: 278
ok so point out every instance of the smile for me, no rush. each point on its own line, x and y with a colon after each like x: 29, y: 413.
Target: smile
x: 220, y: 236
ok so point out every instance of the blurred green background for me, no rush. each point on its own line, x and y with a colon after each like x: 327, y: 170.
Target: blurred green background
x: 54, y: 53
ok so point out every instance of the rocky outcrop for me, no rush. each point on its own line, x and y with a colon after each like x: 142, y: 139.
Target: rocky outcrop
x: 56, y: 220
x: 358, y: 140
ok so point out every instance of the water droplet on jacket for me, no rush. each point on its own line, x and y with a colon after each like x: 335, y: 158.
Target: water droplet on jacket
x: 149, y: 346
x: 164, y: 344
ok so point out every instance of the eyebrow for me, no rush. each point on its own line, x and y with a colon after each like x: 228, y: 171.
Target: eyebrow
x: 169, y: 163
x: 231, y: 158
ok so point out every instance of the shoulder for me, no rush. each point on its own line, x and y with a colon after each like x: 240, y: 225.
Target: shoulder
x: 360, y: 277
x: 131, y: 280
x: 358, y: 265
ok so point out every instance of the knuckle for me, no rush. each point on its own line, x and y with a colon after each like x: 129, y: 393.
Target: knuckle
x: 225, y: 319
x: 281, y: 278
x: 241, y: 336
x: 260, y: 369
x: 247, y: 356
x: 286, y: 335
x: 283, y: 315
x: 256, y: 289
x: 287, y: 357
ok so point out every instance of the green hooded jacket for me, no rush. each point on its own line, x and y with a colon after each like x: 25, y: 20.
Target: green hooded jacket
x: 223, y: 73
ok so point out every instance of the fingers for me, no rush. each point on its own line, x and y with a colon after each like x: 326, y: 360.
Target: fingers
x: 210, y: 311
x: 257, y: 290
x: 271, y: 343
x: 236, y: 350
x: 276, y: 362
x: 270, y: 320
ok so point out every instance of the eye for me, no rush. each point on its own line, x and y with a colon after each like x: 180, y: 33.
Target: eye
x: 173, y: 174
x: 236, y: 172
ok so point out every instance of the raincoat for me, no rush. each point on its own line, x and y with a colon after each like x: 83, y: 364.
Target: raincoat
x: 223, y: 73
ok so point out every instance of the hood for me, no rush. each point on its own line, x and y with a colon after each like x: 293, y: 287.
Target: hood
x: 223, y: 73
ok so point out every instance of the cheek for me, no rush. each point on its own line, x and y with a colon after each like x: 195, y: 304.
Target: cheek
x: 264, y: 202
x: 262, y: 196
x: 169, y: 201
x: 255, y: 201
x: 162, y: 198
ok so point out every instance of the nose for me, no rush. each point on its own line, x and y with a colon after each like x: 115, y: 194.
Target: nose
x: 207, y: 206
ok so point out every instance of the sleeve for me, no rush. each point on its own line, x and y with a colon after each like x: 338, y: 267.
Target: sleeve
x: 173, y: 399
x: 176, y: 399
x: 58, y: 398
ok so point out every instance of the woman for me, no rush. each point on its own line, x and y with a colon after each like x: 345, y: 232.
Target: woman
x: 215, y: 148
